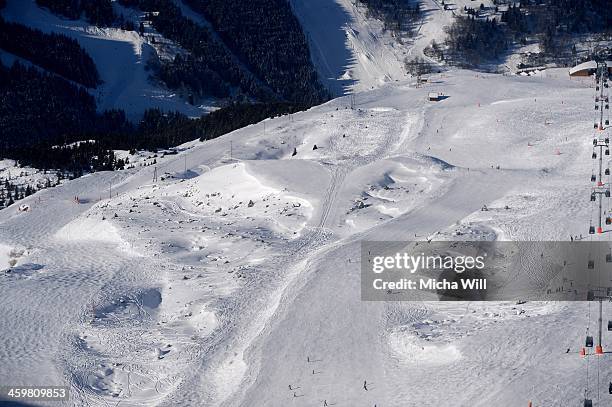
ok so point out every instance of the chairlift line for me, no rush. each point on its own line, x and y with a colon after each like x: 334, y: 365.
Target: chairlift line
x: 601, y: 147
x: 600, y: 189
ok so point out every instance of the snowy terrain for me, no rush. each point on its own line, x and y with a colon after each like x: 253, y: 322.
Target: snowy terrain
x: 235, y: 274
x: 120, y: 56
x: 354, y: 53
x: 215, y: 286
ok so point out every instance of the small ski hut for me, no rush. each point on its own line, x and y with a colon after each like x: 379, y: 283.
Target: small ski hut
x: 436, y: 97
x: 588, y: 68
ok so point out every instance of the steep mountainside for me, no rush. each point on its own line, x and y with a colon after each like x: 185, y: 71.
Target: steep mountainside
x: 144, y: 69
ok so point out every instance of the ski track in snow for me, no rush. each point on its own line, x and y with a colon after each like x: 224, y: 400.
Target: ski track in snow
x: 193, y: 296
x: 225, y: 284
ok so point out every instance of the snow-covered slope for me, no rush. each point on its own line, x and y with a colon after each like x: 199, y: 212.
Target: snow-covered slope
x: 235, y: 274
x: 120, y: 56
x: 354, y: 53
x: 350, y: 52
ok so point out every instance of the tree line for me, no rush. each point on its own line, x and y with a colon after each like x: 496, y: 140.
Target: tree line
x: 555, y: 21
x: 54, y: 52
x: 209, y: 58
x: 268, y: 38
x: 97, y: 12
x: 271, y: 65
x: 11, y: 190
x: 41, y: 111
x: 263, y: 54
x: 36, y: 105
x: 471, y: 40
x: 398, y: 16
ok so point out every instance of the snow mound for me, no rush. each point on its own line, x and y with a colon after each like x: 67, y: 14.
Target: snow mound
x: 10, y: 256
x: 232, y: 191
x: 90, y: 229
x: 391, y: 188
x: 412, y: 350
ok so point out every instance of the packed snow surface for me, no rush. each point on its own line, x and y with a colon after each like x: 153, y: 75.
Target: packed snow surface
x: 235, y: 274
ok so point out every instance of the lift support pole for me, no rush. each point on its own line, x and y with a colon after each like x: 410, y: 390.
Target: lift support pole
x: 599, y: 348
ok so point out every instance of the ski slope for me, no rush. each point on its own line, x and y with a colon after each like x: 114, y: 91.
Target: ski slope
x: 354, y: 53
x: 350, y: 52
x: 120, y: 57
x: 235, y: 273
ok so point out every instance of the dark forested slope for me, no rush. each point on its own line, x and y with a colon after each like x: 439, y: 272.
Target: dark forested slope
x: 256, y: 61
x: 53, y: 52
x: 268, y: 38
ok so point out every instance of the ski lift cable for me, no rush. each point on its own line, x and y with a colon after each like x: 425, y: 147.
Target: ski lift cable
x: 600, y: 82
x: 601, y: 127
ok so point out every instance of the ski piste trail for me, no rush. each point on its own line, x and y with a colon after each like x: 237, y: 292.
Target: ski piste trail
x: 192, y: 296
x: 173, y: 302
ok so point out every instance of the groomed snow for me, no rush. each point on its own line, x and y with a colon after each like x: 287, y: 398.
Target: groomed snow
x: 225, y: 284
x: 235, y: 274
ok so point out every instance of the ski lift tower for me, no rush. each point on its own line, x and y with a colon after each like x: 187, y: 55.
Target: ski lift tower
x: 601, y: 189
